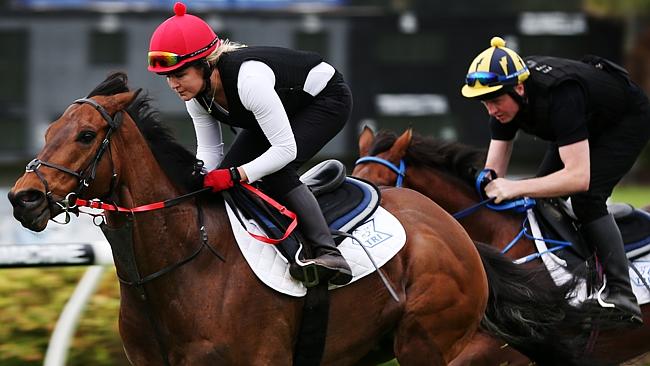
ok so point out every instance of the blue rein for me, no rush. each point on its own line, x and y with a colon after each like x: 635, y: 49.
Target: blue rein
x: 520, y: 205
x: 471, y: 209
x: 400, y: 171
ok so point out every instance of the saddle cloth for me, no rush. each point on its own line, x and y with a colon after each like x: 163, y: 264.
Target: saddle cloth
x: 381, y: 234
x: 558, y: 265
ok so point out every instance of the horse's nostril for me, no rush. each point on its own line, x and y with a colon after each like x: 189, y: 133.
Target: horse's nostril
x: 27, y: 198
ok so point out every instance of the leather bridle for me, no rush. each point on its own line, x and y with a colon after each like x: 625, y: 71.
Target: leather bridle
x: 85, y: 176
x: 399, y: 170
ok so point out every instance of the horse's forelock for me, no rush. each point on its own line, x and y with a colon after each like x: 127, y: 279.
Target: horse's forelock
x: 383, y: 142
x: 117, y: 102
x: 114, y: 83
x: 113, y: 93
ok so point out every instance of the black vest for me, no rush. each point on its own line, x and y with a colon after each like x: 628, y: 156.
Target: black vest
x: 605, y: 85
x: 290, y: 68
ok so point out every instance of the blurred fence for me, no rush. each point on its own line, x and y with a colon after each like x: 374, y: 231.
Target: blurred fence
x: 97, y: 255
x: 77, y: 244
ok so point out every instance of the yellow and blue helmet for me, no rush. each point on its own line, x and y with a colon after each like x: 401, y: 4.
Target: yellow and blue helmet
x: 492, y: 70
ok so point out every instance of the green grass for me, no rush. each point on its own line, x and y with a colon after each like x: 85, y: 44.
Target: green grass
x: 31, y: 300
x: 390, y: 363
x: 636, y: 195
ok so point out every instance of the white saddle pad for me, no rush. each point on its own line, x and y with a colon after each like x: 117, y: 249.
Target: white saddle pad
x: 558, y: 268
x: 382, y: 234
x: 641, y: 292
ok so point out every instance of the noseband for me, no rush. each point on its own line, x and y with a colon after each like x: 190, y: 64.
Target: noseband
x: 400, y: 171
x: 86, y: 176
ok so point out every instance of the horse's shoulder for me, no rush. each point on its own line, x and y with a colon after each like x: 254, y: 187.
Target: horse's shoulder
x: 396, y: 199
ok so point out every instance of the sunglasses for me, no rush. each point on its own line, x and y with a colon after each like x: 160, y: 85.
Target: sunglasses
x: 491, y: 78
x: 169, y: 59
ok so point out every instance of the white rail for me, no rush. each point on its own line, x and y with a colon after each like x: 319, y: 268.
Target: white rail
x: 97, y: 255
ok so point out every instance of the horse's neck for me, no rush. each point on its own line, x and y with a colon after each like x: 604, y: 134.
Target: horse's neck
x: 141, y: 177
x: 484, y: 225
x: 162, y: 236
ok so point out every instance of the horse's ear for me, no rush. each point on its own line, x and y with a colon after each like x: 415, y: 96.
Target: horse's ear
x: 366, y: 139
x: 123, y: 100
x: 398, y: 150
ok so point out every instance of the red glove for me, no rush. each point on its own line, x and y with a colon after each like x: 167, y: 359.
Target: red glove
x: 219, y: 180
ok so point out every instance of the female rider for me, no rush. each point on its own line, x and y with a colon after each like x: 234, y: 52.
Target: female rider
x: 288, y: 105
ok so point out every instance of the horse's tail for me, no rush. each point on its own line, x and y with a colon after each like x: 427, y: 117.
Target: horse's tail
x: 529, y: 312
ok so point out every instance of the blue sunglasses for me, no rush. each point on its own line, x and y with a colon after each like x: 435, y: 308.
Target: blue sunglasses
x: 487, y: 78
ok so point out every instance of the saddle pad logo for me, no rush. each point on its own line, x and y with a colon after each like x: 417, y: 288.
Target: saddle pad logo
x: 369, y: 236
x: 643, y: 266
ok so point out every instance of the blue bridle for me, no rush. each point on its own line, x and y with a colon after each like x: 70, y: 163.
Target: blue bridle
x: 400, y: 171
x: 518, y: 205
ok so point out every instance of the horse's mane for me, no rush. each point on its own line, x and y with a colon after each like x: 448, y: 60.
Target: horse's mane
x: 459, y: 160
x: 175, y: 160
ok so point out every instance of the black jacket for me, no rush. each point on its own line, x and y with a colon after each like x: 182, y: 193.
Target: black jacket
x: 290, y: 68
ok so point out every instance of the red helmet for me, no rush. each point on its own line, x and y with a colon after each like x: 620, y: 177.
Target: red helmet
x: 180, y: 39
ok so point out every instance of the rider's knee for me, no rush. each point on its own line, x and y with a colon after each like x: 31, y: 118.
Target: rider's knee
x: 588, y: 207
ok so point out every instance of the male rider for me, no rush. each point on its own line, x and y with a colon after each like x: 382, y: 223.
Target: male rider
x: 596, y: 122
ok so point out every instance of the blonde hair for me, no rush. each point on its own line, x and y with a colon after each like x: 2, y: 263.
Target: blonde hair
x: 225, y: 46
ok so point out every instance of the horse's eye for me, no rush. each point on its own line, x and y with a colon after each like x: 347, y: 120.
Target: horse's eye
x: 86, y: 137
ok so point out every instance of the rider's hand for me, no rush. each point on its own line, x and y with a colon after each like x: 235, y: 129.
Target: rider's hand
x: 195, y: 180
x: 501, y: 189
x: 221, y: 179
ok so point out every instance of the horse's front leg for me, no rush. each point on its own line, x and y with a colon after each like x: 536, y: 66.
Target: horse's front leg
x: 485, y: 350
x: 139, y: 342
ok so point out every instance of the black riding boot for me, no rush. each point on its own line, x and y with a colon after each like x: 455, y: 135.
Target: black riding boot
x: 329, y: 263
x: 604, y: 236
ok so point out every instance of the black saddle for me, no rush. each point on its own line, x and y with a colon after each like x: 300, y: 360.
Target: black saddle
x: 346, y: 203
x: 557, y: 221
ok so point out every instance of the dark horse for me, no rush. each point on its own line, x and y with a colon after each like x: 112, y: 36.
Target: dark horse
x: 212, y: 312
x: 444, y: 172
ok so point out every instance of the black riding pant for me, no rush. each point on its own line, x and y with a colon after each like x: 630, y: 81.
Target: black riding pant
x: 612, y: 154
x: 313, y: 127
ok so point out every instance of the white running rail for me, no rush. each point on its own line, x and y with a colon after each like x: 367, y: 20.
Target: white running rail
x: 97, y: 255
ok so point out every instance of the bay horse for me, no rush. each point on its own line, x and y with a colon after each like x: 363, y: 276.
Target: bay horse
x: 445, y: 171
x: 204, y: 309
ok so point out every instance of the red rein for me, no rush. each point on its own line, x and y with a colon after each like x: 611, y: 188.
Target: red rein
x: 171, y: 202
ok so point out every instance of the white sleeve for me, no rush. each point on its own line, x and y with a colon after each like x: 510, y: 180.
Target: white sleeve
x: 318, y: 77
x: 255, y: 84
x: 209, y: 141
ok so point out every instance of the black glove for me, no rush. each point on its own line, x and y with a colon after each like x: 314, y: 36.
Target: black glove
x: 195, y: 180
